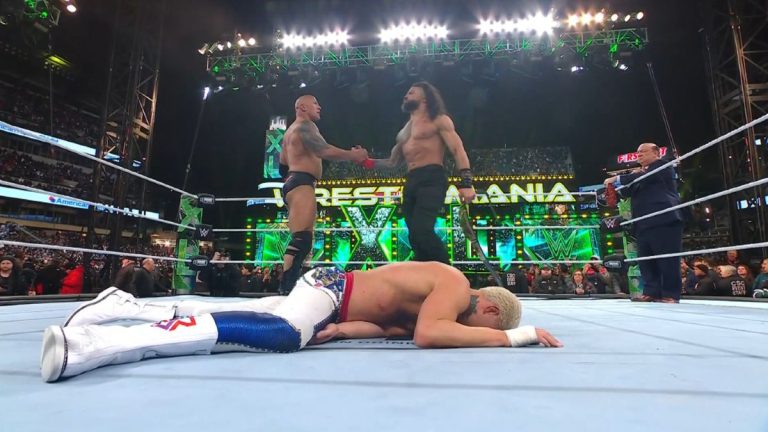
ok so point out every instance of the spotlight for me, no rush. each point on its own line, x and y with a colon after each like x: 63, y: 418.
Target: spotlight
x: 485, y: 27
x: 576, y: 69
x: 71, y: 8
x: 586, y: 18
x: 413, y: 32
x: 573, y: 20
x: 539, y: 23
x: 206, y: 92
x: 627, y: 18
x: 229, y: 44
x: 220, y: 46
x: 203, y: 49
x: 639, y: 16
x: 241, y: 43
x: 302, y: 84
x: 251, y: 41
x: 623, y: 67
x: 614, y: 17
x: 599, y: 18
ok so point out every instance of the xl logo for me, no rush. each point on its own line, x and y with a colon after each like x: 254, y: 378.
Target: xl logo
x: 368, y: 230
x: 274, y: 139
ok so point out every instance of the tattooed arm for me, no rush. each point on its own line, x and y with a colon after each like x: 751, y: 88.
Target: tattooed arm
x: 396, y: 158
x: 315, y: 143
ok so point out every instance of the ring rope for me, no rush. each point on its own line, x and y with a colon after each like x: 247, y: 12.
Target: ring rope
x: 520, y: 227
x: 696, y: 201
x: 390, y: 262
x: 15, y: 130
x: 700, y: 149
x: 97, y: 205
x: 701, y: 251
x: 399, y: 195
x: 93, y: 251
x: 161, y: 258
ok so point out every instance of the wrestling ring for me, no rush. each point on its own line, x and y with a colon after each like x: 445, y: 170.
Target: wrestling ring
x: 625, y: 366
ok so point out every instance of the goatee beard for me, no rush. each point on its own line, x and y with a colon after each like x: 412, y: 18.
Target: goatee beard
x: 410, y: 106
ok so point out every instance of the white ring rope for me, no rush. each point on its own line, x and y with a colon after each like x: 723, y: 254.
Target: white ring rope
x: 108, y: 252
x: 56, y: 142
x: 96, y: 205
x: 400, y: 195
x: 701, y: 251
x: 696, y: 201
x: 700, y: 149
x: 506, y: 228
x: 391, y: 262
x: 93, y: 251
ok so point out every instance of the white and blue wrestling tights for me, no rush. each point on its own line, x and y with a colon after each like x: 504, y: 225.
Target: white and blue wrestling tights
x: 312, y: 304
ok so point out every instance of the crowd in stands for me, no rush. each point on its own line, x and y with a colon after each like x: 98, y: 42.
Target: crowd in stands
x: 31, y: 110
x: 530, y: 161
x: 227, y: 280
x: 38, y: 271
x: 729, y: 276
x: 534, y: 161
x: 714, y: 275
x: 60, y: 178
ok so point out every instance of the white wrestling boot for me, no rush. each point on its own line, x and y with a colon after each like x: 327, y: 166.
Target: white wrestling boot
x: 70, y: 351
x: 112, y: 304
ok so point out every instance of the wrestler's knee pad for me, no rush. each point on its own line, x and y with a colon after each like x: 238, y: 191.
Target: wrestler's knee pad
x: 257, y: 331
x: 299, y: 247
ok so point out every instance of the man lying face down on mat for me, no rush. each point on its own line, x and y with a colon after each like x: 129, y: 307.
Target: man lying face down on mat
x: 427, y: 300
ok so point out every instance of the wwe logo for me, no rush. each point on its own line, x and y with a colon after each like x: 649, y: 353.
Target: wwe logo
x: 611, y: 223
x: 560, y: 244
x: 204, y: 232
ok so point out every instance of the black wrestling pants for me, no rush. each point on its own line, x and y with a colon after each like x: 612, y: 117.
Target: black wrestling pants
x: 423, y: 199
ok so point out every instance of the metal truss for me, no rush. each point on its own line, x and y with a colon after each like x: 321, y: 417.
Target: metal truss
x: 380, y: 56
x: 129, y: 111
x: 737, y: 53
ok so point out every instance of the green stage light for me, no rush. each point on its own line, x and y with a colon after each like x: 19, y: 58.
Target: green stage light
x: 44, y: 14
x: 216, y: 69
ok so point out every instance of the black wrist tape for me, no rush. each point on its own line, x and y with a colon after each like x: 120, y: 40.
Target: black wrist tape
x: 466, y: 178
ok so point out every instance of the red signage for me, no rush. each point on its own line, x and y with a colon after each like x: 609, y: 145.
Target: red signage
x: 632, y: 157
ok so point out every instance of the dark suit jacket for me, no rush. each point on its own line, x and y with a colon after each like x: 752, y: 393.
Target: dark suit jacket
x: 651, y: 194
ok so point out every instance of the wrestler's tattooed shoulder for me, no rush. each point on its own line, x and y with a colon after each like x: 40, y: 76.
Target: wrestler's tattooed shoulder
x: 404, y: 133
x: 310, y: 137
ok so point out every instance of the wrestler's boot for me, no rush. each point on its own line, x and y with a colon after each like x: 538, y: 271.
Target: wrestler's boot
x: 113, y: 304
x: 70, y: 351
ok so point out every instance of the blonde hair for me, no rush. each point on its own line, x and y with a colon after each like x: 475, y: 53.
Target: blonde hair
x: 510, y: 309
x: 729, y: 269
